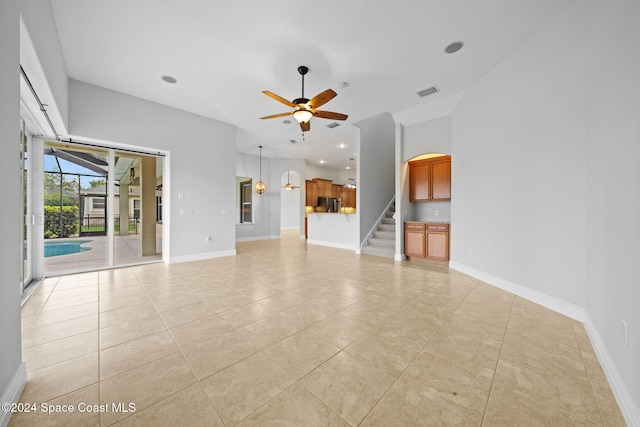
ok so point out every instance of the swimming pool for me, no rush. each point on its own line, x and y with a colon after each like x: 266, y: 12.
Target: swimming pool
x: 53, y: 248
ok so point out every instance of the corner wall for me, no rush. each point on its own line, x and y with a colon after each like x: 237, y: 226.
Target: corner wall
x: 613, y: 202
x: 518, y: 215
x: 201, y: 159
x: 376, y: 170
x: 12, y: 373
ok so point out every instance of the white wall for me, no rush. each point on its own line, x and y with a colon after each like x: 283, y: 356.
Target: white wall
x: 42, y: 59
x: 12, y: 373
x: 201, y: 163
x: 278, y: 166
x: 290, y: 200
x: 613, y: 183
x: 518, y: 211
x: 376, y: 169
x: 317, y: 171
x: 432, y: 136
x: 268, y: 206
x: 249, y: 165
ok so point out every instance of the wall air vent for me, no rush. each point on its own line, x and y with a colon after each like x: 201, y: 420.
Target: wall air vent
x: 333, y: 125
x: 428, y: 91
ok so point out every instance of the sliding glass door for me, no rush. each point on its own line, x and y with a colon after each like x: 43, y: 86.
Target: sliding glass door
x: 92, y: 222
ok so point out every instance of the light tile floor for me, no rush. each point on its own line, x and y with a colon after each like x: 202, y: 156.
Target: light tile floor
x: 287, y: 333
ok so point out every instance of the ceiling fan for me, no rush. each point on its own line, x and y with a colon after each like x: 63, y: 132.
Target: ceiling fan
x: 305, y: 109
x: 288, y: 186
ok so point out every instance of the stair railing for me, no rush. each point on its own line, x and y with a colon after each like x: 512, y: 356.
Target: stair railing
x: 377, y: 223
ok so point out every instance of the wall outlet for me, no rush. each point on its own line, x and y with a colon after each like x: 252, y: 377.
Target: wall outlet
x: 436, y: 212
x: 626, y: 333
x: 469, y: 250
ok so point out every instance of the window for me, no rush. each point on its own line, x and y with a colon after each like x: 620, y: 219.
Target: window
x: 246, y: 207
x: 97, y: 203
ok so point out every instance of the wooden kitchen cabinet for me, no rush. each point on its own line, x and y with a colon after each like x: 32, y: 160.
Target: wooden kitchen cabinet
x: 414, y: 240
x: 430, y: 179
x: 324, y: 187
x: 348, y: 197
x: 336, y: 191
x: 427, y: 241
x: 311, y: 191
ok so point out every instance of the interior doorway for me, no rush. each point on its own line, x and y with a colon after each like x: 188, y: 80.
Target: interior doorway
x: 290, y: 207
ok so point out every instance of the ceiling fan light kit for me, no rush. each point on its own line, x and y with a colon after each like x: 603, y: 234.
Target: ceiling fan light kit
x: 288, y: 186
x: 305, y: 109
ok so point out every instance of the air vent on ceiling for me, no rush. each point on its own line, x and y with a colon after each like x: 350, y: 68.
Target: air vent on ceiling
x: 333, y: 125
x: 428, y: 91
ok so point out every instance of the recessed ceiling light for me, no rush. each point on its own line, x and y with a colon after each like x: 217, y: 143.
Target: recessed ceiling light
x: 286, y: 122
x: 343, y: 85
x: 169, y: 79
x: 454, y: 47
x: 322, y: 162
x: 343, y: 145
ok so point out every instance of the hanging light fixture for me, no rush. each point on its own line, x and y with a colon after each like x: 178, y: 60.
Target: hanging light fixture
x: 260, y: 186
x: 351, y: 182
x: 288, y: 186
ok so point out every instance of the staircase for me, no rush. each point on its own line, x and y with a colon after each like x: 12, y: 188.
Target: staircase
x: 383, y: 239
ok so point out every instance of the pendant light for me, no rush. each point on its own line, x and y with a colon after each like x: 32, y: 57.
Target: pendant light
x: 260, y: 186
x: 351, y: 182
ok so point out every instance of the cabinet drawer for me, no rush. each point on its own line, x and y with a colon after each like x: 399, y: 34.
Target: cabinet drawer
x: 414, y: 226
x: 437, y: 227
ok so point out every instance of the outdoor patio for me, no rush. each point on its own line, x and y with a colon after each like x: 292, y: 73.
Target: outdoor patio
x: 127, y: 251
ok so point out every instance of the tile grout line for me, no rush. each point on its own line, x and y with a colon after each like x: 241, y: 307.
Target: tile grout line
x: 584, y: 365
x: 422, y: 349
x: 495, y: 371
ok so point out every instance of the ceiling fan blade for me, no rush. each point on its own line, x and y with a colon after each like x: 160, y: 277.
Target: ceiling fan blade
x: 276, y: 115
x: 329, y: 115
x: 279, y: 98
x: 305, y: 126
x: 322, y: 98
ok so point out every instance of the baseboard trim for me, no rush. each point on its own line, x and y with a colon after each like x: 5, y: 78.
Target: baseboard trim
x: 201, y: 256
x: 625, y: 401
x: 628, y: 407
x: 552, y: 303
x: 254, y: 238
x: 332, y: 244
x: 13, y: 391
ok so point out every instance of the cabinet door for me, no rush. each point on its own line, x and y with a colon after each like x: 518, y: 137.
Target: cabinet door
x: 419, y: 181
x: 311, y: 193
x: 437, y: 246
x: 441, y: 180
x: 414, y: 243
x: 349, y: 197
x: 336, y: 191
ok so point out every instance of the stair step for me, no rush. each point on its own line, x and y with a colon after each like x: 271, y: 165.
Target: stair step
x: 379, y: 251
x: 388, y: 221
x: 387, y: 227
x: 391, y: 235
x: 375, y: 241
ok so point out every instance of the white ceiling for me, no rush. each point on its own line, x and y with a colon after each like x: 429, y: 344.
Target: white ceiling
x: 225, y: 53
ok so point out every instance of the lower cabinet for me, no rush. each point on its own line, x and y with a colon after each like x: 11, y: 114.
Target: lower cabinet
x: 426, y: 241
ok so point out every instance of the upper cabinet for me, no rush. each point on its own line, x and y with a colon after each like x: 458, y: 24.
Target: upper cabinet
x: 430, y: 179
x: 311, y: 193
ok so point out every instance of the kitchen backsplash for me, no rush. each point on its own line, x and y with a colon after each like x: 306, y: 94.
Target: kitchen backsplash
x: 432, y: 211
